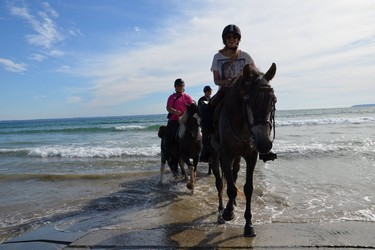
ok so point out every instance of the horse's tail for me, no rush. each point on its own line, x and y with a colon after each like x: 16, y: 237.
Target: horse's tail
x: 239, y: 191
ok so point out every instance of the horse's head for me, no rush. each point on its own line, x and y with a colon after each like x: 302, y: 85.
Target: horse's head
x: 259, y: 99
x: 190, y: 122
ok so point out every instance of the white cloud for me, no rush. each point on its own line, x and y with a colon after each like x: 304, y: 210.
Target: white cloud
x: 64, y: 69
x: 56, y: 53
x: 73, y: 99
x: 38, y: 57
x: 310, y: 41
x: 11, y: 66
x: 47, y: 33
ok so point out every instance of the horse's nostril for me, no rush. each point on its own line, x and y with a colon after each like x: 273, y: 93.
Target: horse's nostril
x: 264, y: 147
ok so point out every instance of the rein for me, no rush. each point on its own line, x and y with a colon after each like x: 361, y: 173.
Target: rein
x: 272, y: 122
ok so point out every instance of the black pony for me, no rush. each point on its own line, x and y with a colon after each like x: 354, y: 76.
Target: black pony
x: 187, y: 145
x: 245, y: 120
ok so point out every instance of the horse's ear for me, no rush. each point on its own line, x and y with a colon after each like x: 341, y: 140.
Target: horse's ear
x: 271, y: 72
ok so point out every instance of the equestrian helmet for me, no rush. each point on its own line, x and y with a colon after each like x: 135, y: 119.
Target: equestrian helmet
x: 206, y: 88
x: 231, y: 28
x: 179, y: 82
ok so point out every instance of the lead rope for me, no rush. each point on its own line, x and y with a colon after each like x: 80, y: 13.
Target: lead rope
x: 273, y: 121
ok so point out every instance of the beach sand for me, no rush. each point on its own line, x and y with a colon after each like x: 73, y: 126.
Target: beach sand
x: 171, y: 224
x: 275, y: 236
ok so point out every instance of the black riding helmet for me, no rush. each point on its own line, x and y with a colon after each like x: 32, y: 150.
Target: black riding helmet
x: 206, y: 88
x: 179, y: 82
x: 231, y: 28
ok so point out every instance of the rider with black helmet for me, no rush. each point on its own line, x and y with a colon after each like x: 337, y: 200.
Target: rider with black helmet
x: 176, y: 106
x: 231, y: 29
x: 227, y: 64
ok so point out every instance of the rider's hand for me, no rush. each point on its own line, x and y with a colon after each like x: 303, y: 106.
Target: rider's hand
x: 229, y: 82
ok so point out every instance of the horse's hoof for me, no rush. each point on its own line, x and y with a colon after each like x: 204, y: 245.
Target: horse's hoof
x: 220, y: 220
x: 176, y: 176
x: 228, y: 215
x: 249, y: 231
x: 190, y: 185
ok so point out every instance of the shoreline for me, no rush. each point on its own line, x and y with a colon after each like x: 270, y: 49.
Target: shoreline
x: 346, y: 234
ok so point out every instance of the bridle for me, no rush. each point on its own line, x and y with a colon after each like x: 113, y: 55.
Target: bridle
x: 261, y: 100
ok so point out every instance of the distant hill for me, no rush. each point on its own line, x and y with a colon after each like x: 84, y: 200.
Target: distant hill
x: 363, y: 105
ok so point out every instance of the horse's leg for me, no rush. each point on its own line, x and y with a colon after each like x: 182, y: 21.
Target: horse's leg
x: 226, y: 163
x: 209, y: 168
x: 162, y: 168
x: 248, y: 189
x: 193, y: 172
x: 191, y: 183
x: 235, y: 170
x: 219, y: 185
x: 173, y: 165
x: 162, y: 160
x: 182, y: 166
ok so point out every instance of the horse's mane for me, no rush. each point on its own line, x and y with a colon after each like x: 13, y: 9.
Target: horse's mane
x: 249, y: 74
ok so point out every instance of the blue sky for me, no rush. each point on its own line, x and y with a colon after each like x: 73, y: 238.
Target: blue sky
x: 69, y: 58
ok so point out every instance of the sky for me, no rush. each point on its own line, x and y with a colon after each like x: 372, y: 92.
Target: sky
x: 88, y: 58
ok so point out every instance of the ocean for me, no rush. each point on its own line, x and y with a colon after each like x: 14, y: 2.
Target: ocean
x: 54, y: 169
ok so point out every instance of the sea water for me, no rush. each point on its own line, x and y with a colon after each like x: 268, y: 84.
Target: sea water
x: 55, y: 168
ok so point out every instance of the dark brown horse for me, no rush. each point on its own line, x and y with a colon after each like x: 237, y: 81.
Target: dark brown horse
x: 243, y: 129
x: 187, y: 145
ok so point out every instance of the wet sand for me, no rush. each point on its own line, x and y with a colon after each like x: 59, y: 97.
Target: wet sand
x: 172, y: 223
x: 169, y: 232
x: 276, y: 236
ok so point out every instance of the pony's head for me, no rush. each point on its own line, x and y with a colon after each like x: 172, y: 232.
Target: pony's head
x: 190, y: 122
x: 259, y: 100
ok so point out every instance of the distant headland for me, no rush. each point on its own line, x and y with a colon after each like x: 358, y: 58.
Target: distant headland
x: 363, y: 105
